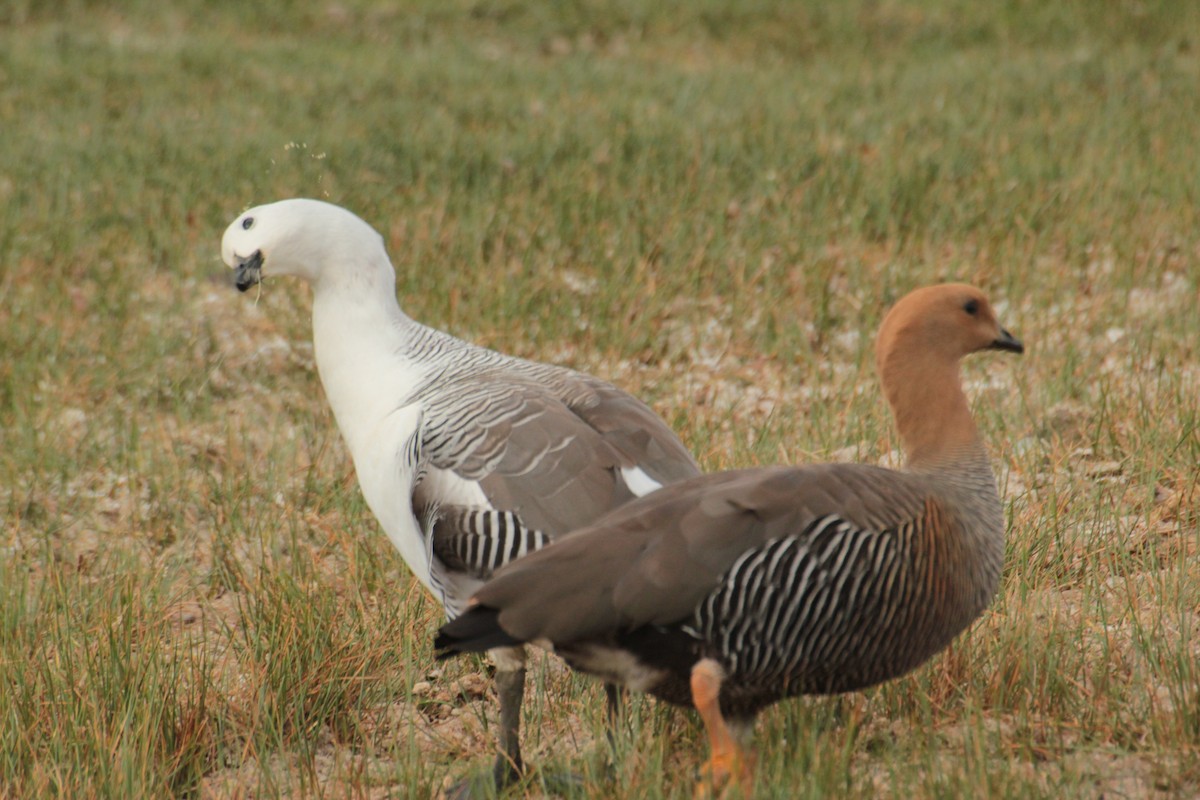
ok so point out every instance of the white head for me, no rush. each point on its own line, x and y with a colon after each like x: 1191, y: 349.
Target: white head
x: 310, y: 239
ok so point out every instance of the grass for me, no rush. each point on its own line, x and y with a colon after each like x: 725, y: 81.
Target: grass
x: 709, y: 203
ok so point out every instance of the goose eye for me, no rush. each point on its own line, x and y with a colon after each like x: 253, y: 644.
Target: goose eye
x: 247, y: 223
x: 971, y: 307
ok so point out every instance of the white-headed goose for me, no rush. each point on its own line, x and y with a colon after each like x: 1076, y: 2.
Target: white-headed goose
x: 468, y: 458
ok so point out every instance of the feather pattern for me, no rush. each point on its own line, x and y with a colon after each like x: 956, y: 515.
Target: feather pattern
x: 545, y: 448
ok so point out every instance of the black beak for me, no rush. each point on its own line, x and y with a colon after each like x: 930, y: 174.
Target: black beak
x: 1006, y: 341
x: 248, y: 271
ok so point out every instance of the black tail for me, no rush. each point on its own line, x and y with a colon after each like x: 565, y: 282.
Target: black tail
x: 474, y: 632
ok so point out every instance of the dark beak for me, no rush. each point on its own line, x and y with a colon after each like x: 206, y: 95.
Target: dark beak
x: 1006, y: 341
x: 248, y: 271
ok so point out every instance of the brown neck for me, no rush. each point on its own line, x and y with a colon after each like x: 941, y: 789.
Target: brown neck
x: 931, y: 411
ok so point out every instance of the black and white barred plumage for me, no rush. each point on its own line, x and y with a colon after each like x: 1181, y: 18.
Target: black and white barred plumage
x: 478, y: 541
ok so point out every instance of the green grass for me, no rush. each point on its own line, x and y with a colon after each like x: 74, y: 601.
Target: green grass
x: 709, y: 203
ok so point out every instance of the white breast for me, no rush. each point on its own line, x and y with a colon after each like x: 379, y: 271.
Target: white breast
x: 385, y: 459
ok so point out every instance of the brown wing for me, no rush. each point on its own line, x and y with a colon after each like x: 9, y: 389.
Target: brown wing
x: 653, y: 560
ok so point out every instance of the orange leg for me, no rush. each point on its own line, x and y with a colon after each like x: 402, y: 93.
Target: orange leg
x: 727, y: 758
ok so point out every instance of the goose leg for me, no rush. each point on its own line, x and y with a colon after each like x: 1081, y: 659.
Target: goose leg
x: 510, y: 688
x: 612, y: 696
x: 508, y: 766
x: 728, y: 758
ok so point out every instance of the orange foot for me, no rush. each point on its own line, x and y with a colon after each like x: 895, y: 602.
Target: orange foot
x: 728, y: 759
x: 715, y: 777
x: 715, y: 783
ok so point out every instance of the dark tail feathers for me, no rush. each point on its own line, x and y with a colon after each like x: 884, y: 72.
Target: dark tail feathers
x: 474, y: 632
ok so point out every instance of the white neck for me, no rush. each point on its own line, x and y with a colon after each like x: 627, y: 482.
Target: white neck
x: 359, y: 338
x: 361, y: 343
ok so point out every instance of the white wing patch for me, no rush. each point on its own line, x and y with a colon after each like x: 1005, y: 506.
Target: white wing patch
x: 638, y: 481
x: 450, y: 489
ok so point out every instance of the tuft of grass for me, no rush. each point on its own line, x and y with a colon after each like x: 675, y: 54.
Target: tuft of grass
x: 97, y: 700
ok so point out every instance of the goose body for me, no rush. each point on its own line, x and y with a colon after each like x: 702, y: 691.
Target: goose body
x: 731, y: 591
x: 861, y: 581
x: 467, y: 457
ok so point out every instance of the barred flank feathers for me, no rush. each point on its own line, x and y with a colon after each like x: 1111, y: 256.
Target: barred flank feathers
x: 478, y: 541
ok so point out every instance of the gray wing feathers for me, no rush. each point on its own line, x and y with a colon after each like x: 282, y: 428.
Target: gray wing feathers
x: 636, y: 432
x: 550, y: 451
x: 554, y: 471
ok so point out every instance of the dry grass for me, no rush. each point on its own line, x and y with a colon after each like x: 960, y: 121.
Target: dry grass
x: 710, y: 204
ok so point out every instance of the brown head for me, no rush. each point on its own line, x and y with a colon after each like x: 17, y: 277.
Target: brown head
x: 920, y: 343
